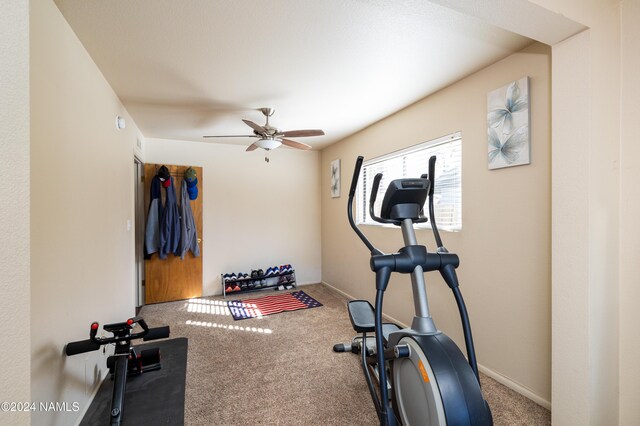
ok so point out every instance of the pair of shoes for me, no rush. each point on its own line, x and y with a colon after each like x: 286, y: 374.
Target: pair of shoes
x: 285, y: 279
x: 235, y: 277
x: 251, y: 285
x: 285, y: 269
x: 230, y: 288
x: 272, y: 271
x: 257, y: 273
x: 229, y: 277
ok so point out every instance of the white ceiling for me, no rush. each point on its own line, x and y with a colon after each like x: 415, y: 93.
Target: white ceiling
x: 185, y: 69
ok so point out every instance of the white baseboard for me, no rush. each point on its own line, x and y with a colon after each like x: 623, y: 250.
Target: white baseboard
x: 337, y: 290
x: 522, y: 390
x: 82, y: 413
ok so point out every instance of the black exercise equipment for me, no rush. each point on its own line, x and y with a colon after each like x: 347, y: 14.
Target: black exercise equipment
x: 422, y: 377
x: 125, y: 361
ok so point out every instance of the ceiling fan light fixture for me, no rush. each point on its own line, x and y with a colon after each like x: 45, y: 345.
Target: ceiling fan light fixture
x: 267, y: 143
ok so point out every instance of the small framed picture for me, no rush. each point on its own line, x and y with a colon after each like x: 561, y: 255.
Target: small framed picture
x: 508, y: 125
x: 335, y: 178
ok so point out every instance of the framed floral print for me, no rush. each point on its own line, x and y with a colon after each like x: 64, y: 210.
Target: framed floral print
x: 335, y: 178
x: 508, y: 130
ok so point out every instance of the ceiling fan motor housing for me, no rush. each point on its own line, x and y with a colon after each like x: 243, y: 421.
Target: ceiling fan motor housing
x: 268, y: 112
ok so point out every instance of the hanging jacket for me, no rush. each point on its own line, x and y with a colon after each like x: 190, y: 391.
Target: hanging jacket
x: 152, y: 230
x: 188, y: 231
x: 170, y: 224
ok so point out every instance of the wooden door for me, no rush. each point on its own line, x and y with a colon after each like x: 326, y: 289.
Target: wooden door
x: 174, y: 278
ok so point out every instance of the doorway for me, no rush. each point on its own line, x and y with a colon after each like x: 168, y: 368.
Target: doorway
x: 139, y: 215
x: 174, y: 277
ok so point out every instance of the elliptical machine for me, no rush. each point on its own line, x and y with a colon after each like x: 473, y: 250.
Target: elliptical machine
x: 422, y: 377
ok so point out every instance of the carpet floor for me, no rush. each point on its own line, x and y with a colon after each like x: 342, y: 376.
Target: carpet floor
x: 281, y: 370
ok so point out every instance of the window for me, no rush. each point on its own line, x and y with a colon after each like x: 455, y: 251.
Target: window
x: 414, y: 162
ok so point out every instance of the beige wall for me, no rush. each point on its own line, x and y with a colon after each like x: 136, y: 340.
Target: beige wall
x: 255, y: 214
x: 595, y: 241
x: 567, y: 399
x: 505, y: 242
x: 14, y: 206
x: 629, y: 214
x: 587, y: 229
x: 570, y: 321
x: 81, y: 200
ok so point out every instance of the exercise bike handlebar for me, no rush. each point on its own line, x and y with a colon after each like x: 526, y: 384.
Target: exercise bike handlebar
x: 81, y: 346
x: 94, y: 342
x: 130, y: 324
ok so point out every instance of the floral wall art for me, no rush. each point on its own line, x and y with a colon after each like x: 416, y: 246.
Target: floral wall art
x: 508, y: 125
x: 335, y: 178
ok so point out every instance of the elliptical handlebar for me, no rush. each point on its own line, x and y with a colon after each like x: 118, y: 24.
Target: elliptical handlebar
x: 356, y: 175
x: 432, y: 213
x: 372, y: 200
x: 432, y: 174
x: 352, y: 192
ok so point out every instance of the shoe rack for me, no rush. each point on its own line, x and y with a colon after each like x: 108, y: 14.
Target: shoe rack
x: 276, y: 281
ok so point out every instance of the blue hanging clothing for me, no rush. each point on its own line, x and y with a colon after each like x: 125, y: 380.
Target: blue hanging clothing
x: 170, y: 224
x: 188, y: 231
x: 152, y: 230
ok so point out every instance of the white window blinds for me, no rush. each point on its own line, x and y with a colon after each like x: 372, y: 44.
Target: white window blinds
x: 414, y: 162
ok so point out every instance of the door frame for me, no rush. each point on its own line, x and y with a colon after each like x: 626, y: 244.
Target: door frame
x: 139, y: 215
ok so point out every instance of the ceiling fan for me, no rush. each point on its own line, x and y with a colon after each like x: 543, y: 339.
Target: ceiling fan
x: 271, y: 137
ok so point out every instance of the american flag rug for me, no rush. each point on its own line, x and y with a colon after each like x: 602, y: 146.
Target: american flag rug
x: 269, y: 305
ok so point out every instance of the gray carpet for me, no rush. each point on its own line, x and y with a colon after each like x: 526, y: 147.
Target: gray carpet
x: 281, y: 370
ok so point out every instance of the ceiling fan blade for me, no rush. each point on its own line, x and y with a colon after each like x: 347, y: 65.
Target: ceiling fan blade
x: 255, y: 127
x: 302, y: 133
x: 229, y: 136
x: 252, y: 147
x: 294, y: 144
